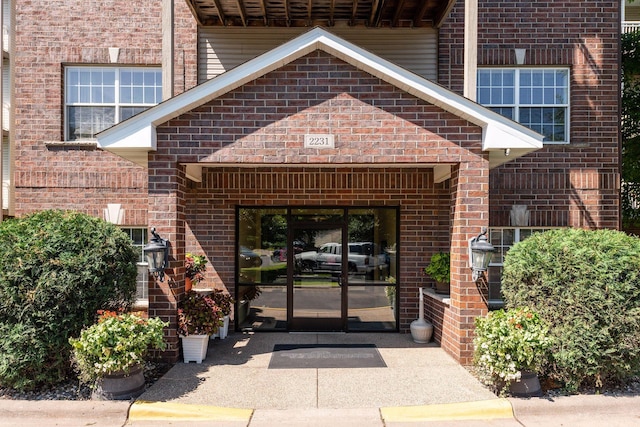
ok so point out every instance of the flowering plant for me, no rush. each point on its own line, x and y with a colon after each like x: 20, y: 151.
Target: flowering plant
x: 194, y: 266
x: 508, y: 342
x: 117, y: 342
x: 223, y: 300
x: 198, y: 315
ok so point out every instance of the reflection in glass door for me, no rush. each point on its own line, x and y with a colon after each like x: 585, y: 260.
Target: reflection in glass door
x: 317, y: 285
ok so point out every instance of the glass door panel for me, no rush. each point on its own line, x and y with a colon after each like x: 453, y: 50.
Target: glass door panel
x: 317, y: 285
x: 261, y: 298
x: 372, y: 302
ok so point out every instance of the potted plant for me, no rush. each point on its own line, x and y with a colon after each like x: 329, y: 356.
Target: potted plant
x: 194, y: 265
x: 439, y: 269
x: 109, y: 355
x: 198, y: 318
x: 225, y: 302
x: 246, y: 294
x: 509, y: 348
x: 390, y: 292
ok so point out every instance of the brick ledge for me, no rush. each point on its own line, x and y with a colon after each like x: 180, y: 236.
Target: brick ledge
x: 72, y: 144
x: 431, y: 293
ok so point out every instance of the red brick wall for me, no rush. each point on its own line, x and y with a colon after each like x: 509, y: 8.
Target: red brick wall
x: 263, y: 123
x: 50, y: 35
x: 563, y: 185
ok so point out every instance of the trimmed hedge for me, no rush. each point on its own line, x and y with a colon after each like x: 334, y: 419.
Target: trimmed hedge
x: 586, y: 285
x: 57, y: 269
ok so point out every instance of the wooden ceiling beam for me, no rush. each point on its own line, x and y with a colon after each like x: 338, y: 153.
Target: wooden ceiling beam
x: 398, y: 14
x: 263, y: 7
x: 221, y: 14
x: 354, y: 11
x: 376, y: 12
x: 242, y: 12
x: 444, y: 12
x: 417, y: 21
x: 194, y: 11
x: 332, y: 12
x: 286, y: 13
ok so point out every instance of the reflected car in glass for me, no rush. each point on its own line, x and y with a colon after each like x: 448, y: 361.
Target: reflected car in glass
x: 248, y: 258
x: 363, y: 258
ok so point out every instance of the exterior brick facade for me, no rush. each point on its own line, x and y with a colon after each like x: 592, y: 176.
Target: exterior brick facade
x: 249, y: 143
x: 575, y: 184
x: 374, y: 123
x: 49, y: 174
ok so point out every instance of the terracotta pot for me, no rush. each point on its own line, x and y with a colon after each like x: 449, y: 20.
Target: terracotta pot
x: 187, y: 284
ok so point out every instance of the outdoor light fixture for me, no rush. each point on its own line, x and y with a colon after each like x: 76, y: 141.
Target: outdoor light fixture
x: 480, y: 251
x: 157, y: 253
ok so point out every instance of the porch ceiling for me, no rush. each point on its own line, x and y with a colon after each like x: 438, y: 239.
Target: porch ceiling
x: 306, y: 13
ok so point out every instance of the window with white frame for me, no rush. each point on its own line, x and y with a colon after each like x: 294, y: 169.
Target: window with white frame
x: 535, y: 97
x: 139, y: 237
x: 99, y: 97
x: 502, y: 239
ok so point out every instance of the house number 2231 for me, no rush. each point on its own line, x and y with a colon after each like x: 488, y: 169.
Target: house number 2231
x: 319, y: 141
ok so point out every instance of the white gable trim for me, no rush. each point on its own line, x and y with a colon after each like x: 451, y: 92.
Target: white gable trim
x: 499, y: 133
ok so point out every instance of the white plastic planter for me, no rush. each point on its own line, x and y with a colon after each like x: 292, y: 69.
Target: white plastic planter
x: 194, y: 348
x: 223, y: 330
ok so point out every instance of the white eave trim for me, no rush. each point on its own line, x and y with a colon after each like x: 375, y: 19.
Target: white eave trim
x: 499, y: 133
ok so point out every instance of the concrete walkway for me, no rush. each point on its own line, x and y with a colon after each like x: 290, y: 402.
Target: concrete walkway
x: 235, y: 374
x: 421, y: 386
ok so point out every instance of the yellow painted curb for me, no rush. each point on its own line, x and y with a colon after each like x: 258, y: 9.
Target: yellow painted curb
x: 483, y: 410
x: 143, y: 410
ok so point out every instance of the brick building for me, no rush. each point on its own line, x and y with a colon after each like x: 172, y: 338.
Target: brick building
x: 399, y: 129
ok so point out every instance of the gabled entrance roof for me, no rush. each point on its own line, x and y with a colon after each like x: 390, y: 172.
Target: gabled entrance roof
x: 135, y: 137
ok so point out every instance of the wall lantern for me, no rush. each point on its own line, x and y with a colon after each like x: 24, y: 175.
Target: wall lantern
x: 480, y: 251
x: 157, y: 253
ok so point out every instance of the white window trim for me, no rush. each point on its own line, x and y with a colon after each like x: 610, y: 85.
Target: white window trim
x: 516, y: 106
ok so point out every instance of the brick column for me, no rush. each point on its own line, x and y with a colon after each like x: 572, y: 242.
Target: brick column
x: 166, y: 213
x: 469, y: 213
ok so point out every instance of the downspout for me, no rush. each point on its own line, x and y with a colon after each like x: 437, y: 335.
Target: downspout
x: 470, y: 48
x: 167, y: 49
x: 1, y: 110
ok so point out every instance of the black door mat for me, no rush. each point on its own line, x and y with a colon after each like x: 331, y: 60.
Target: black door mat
x: 315, y: 356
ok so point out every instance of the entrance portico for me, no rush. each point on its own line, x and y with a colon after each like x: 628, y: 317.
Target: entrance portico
x: 398, y: 141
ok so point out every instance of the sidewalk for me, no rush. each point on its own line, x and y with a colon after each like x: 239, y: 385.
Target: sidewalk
x: 421, y: 386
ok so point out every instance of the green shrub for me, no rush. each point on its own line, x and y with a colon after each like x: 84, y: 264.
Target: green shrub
x: 57, y: 269
x: 586, y: 285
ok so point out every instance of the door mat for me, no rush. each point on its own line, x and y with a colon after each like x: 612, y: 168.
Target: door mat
x: 317, y: 356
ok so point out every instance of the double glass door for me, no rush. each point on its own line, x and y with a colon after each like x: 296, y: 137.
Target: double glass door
x: 316, y: 269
